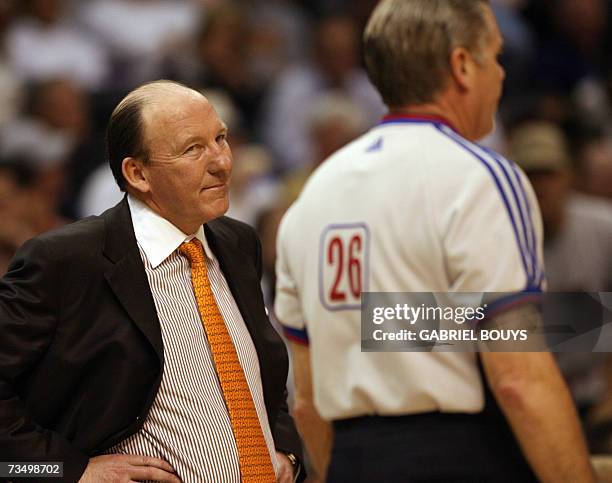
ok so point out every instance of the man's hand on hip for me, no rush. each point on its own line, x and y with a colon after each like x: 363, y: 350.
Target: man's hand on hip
x: 125, y: 468
x: 285, y: 473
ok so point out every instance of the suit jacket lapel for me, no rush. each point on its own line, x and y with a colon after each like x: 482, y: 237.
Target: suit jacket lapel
x: 127, y: 278
x: 235, y: 266
x: 129, y: 282
x: 243, y: 281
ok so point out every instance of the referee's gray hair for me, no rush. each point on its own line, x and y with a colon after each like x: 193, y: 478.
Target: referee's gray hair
x: 408, y: 43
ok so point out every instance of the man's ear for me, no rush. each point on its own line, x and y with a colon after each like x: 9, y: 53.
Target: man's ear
x: 463, y: 68
x: 134, y: 172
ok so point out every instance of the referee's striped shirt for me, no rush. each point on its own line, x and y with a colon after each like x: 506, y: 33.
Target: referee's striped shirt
x: 188, y: 424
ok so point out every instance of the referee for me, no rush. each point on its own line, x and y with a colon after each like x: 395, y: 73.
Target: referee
x: 415, y: 205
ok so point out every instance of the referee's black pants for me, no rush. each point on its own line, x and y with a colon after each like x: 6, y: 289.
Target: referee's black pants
x: 427, y: 448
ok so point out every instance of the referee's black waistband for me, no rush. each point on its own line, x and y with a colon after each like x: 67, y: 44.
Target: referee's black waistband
x: 417, y: 418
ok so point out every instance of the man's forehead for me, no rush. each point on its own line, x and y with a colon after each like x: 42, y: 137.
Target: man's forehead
x: 174, y: 104
x: 163, y: 89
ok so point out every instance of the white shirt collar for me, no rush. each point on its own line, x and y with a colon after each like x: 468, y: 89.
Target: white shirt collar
x: 157, y: 236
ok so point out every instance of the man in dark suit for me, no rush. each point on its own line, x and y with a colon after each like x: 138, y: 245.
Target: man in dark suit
x: 107, y: 359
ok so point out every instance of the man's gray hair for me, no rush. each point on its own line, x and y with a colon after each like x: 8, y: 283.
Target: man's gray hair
x: 408, y: 43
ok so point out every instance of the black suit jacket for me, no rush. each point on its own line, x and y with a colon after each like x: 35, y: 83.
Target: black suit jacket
x: 81, y: 353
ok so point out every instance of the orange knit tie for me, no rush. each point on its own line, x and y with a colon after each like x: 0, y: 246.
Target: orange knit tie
x: 254, y: 458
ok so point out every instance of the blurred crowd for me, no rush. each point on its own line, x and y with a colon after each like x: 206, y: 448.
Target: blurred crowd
x: 287, y: 77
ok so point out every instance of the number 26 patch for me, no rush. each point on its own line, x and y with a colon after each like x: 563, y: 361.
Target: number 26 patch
x: 343, y: 265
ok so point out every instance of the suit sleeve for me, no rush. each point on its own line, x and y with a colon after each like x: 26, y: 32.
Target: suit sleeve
x: 286, y: 438
x: 29, y: 314
x: 284, y: 432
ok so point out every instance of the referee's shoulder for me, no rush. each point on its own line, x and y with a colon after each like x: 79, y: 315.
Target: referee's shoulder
x: 469, y: 157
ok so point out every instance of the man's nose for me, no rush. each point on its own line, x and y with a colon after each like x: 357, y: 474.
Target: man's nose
x: 222, y: 163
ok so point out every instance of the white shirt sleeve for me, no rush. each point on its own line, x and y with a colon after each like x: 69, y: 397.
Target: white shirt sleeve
x: 490, y: 226
x: 287, y: 305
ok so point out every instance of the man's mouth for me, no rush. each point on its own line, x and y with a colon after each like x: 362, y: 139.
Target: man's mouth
x: 215, y: 187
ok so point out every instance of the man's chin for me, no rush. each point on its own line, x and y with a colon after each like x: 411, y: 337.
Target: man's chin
x: 217, y: 208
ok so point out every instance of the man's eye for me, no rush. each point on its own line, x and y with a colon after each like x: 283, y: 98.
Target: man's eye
x: 221, y: 137
x: 192, y: 149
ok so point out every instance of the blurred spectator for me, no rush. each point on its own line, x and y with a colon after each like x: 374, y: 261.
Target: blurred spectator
x: 44, y: 153
x: 578, y: 228
x: 220, y: 60
x: 42, y: 45
x: 360, y: 10
x: 15, y: 180
x: 335, y: 66
x: 496, y: 139
x: 332, y: 121
x: 279, y: 37
x: 62, y: 106
x: 252, y: 189
x: 577, y: 46
x: 593, y: 101
x: 577, y: 241
x: 267, y: 225
x: 139, y: 33
x: 10, y: 87
x: 10, y: 97
x: 597, y: 167
x: 41, y: 145
x: 100, y: 192
x: 230, y: 114
x: 600, y: 417
x: 519, y: 51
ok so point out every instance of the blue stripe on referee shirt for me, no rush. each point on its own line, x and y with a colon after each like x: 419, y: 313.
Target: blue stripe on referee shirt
x: 296, y: 335
x: 520, y: 240
x: 537, y: 269
x: 539, y: 276
x: 510, y: 301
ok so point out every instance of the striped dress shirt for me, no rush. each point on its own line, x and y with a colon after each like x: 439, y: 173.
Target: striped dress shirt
x: 188, y: 424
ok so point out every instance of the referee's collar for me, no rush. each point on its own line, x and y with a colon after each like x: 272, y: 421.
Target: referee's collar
x: 402, y: 118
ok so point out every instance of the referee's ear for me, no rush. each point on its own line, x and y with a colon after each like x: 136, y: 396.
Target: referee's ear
x: 463, y: 69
